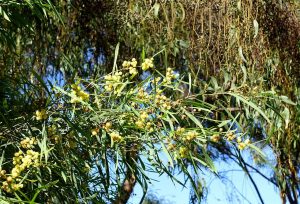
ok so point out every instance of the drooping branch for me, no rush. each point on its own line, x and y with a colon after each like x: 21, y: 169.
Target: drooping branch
x: 243, y: 165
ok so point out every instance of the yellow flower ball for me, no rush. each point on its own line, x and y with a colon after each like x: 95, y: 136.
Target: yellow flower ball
x: 108, y: 126
x: 41, y: 114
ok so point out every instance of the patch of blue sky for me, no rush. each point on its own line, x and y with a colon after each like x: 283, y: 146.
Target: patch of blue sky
x: 89, y: 56
x: 163, y: 185
x: 54, y: 80
x: 232, y: 186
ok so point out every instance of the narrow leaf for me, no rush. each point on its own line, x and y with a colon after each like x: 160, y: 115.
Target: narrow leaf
x: 255, y: 24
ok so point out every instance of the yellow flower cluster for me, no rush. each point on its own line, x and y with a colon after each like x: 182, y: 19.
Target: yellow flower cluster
x: 144, y: 115
x: 183, y: 136
x: 142, y: 94
x: 115, y: 137
x: 9, y: 185
x: 139, y: 124
x: 149, y: 127
x: 78, y: 94
x: 171, y: 147
x: 41, y: 114
x: 215, y: 138
x: 131, y: 66
x: 242, y: 144
x: 2, y: 174
x: 52, y: 130
x: 56, y: 138
x: 112, y: 81
x: 163, y: 101
x: 156, y: 81
x: 95, y: 131
x: 28, y: 143
x: 107, y: 126
x: 53, y: 134
x: 180, y: 131
x: 21, y: 162
x: 191, y: 135
x: 169, y: 76
x: 183, y: 152
x: 142, y: 120
x: 148, y: 63
x: 230, y: 136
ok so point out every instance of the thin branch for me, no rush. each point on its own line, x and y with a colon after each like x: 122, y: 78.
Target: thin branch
x: 261, y: 174
x: 244, y: 166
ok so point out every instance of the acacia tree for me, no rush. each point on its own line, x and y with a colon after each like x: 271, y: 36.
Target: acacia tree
x: 75, y: 42
x: 94, y: 140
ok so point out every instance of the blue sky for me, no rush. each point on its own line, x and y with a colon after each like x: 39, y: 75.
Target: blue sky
x: 220, y: 192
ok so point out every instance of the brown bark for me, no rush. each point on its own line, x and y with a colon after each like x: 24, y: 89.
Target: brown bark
x: 126, y: 189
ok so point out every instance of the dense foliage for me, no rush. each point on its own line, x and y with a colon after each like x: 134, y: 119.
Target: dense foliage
x: 200, y: 81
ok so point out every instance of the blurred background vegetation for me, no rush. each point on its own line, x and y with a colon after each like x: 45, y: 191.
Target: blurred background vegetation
x: 246, y: 47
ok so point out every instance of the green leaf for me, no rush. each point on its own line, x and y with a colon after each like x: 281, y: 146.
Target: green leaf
x: 214, y: 82
x: 257, y: 150
x: 244, y: 74
x: 156, y: 9
x: 287, y: 100
x: 255, y: 24
x: 183, y: 43
x: 167, y: 154
x: 116, y: 57
x: 195, y: 120
x: 39, y: 78
x: 286, y: 116
x: 252, y: 105
x: 56, y: 13
x: 1, y: 159
x: 63, y: 175
x: 42, y: 188
x: 223, y: 123
x: 3, y: 13
x: 242, y: 55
